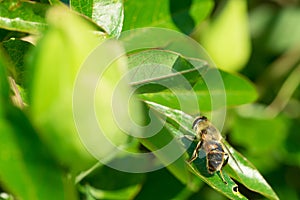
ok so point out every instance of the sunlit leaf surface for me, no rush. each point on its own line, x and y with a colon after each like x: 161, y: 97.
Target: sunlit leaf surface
x: 108, y: 14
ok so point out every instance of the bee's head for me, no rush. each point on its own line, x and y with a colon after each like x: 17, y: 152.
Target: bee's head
x: 199, y: 122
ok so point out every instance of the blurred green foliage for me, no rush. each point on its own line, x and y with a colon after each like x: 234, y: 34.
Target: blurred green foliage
x: 42, y: 46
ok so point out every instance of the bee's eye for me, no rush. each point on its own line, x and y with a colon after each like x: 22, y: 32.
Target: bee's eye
x: 198, y: 120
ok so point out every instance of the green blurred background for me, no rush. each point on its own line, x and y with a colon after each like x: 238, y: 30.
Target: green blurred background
x: 258, y: 39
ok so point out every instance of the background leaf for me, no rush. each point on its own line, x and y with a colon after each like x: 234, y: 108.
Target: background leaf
x: 107, y: 183
x: 17, y: 50
x: 237, y: 91
x: 162, y: 182
x: 24, y: 158
x: 166, y: 14
x: 228, y: 29
x: 4, y: 87
x: 50, y: 95
x: 26, y: 162
x: 162, y: 139
x: 23, y: 16
x: 157, y: 70
x: 108, y: 14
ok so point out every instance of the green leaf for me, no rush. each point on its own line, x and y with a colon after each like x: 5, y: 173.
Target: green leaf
x: 160, y: 184
x: 83, y: 6
x: 167, y: 78
x: 177, y: 168
x: 249, y: 176
x: 17, y: 50
x: 114, y: 100
x: 125, y: 193
x: 7, y: 34
x: 23, y: 16
x: 25, y: 163
x: 185, y: 123
x: 172, y: 14
x: 156, y: 70
x: 238, y: 90
x: 53, y: 68
x: 174, y: 161
x: 227, y: 38
x: 79, y: 87
x: 4, y: 86
x: 209, y: 92
x: 108, y: 183
x: 108, y: 14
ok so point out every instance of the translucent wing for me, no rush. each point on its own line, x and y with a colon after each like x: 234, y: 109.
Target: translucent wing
x: 231, y: 156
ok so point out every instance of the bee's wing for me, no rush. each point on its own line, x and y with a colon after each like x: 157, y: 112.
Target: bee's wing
x: 230, y: 154
x: 201, y: 153
x: 189, y: 137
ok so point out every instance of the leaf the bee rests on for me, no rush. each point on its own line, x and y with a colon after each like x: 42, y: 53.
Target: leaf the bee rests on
x: 238, y: 167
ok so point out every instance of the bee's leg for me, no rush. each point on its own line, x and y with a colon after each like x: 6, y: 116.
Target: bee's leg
x: 195, y: 153
x: 226, y: 157
x: 221, y: 174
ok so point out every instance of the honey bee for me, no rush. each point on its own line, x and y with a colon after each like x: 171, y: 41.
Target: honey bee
x: 210, y: 141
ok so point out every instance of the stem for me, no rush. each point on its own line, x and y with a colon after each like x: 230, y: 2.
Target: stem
x: 285, y: 93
